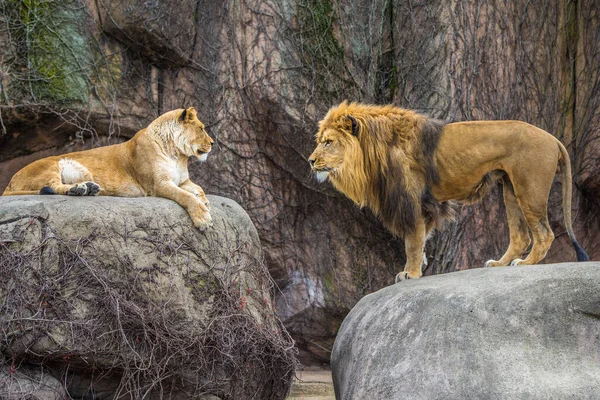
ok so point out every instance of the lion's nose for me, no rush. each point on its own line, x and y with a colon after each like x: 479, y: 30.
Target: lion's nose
x: 311, y: 162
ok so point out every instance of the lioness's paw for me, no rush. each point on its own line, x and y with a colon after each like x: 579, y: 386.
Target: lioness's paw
x: 78, y: 190
x: 93, y: 188
x: 517, y: 261
x: 84, y: 189
x: 204, y: 222
x: 491, y: 263
x: 204, y: 200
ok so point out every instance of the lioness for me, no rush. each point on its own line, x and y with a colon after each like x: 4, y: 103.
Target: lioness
x: 152, y: 163
x: 406, y: 168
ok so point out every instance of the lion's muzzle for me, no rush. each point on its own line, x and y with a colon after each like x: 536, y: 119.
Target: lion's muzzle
x: 322, y: 173
x: 202, y: 155
x: 321, y: 170
x: 322, y: 176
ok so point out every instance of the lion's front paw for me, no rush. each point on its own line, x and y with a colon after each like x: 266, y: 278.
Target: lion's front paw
x: 517, y: 261
x: 203, y: 222
x: 402, y: 276
x: 202, y: 197
x: 492, y: 263
x: 84, y: 189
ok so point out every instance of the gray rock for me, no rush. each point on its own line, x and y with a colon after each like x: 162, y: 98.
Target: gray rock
x: 31, y: 383
x: 495, y: 333
x: 123, y: 297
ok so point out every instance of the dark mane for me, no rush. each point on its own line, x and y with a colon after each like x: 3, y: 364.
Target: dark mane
x: 398, y: 209
x: 430, y: 137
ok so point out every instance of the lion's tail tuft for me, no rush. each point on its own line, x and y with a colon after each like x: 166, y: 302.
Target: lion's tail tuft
x: 581, y: 254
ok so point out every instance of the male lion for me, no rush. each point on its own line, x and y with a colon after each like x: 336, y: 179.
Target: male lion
x: 407, y: 167
x: 152, y: 163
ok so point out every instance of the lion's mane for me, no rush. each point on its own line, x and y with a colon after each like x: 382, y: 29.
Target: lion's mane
x: 392, y: 171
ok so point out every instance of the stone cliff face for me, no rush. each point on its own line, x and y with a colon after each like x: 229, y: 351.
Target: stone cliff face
x: 262, y: 73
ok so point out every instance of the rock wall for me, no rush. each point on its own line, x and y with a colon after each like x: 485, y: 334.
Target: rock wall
x: 122, y: 298
x: 262, y: 73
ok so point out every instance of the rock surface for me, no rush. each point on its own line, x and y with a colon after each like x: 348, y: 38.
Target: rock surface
x: 119, y: 297
x: 314, y: 384
x: 502, y: 333
x: 29, y: 383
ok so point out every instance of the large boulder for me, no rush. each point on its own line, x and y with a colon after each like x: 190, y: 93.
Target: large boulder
x: 123, y: 298
x: 494, y: 333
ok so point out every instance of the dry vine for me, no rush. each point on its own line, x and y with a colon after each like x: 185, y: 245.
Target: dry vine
x: 84, y: 316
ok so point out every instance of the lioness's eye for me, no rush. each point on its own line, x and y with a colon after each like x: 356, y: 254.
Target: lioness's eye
x: 327, y: 143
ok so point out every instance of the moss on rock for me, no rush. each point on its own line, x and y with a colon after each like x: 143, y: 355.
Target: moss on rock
x: 51, y: 49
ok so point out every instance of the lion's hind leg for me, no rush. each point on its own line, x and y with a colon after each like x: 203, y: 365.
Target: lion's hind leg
x: 67, y: 177
x: 80, y: 189
x: 533, y: 200
x: 517, y: 226
x: 73, y: 172
x: 47, y: 176
x: 542, y: 240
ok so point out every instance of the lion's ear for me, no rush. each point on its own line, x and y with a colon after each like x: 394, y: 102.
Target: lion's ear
x: 192, y: 113
x: 188, y: 114
x: 354, y: 125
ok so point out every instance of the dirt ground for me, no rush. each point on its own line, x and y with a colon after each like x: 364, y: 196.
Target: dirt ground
x: 312, y: 384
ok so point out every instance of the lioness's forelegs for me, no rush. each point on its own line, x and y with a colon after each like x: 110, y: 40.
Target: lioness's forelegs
x: 414, y: 244
x: 517, y: 226
x: 197, y: 210
x: 196, y: 190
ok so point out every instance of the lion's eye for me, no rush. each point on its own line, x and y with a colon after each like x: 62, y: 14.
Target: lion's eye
x: 327, y: 143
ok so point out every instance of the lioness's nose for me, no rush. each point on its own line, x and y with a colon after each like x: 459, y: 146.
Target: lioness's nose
x: 311, y: 162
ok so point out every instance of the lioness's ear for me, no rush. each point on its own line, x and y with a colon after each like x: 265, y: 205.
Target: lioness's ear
x: 188, y: 114
x: 191, y: 113
x: 354, y: 125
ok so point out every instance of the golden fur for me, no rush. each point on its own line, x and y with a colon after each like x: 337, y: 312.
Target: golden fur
x: 407, y: 168
x: 152, y: 163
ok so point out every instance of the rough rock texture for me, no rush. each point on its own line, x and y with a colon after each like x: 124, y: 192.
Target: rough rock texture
x: 123, y: 298
x: 31, y: 383
x: 493, y: 333
x: 263, y: 72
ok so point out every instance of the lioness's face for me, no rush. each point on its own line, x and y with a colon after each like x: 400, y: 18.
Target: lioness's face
x: 334, y: 148
x: 199, y: 144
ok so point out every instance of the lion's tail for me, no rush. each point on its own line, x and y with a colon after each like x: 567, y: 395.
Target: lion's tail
x: 44, y: 190
x: 567, y: 183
